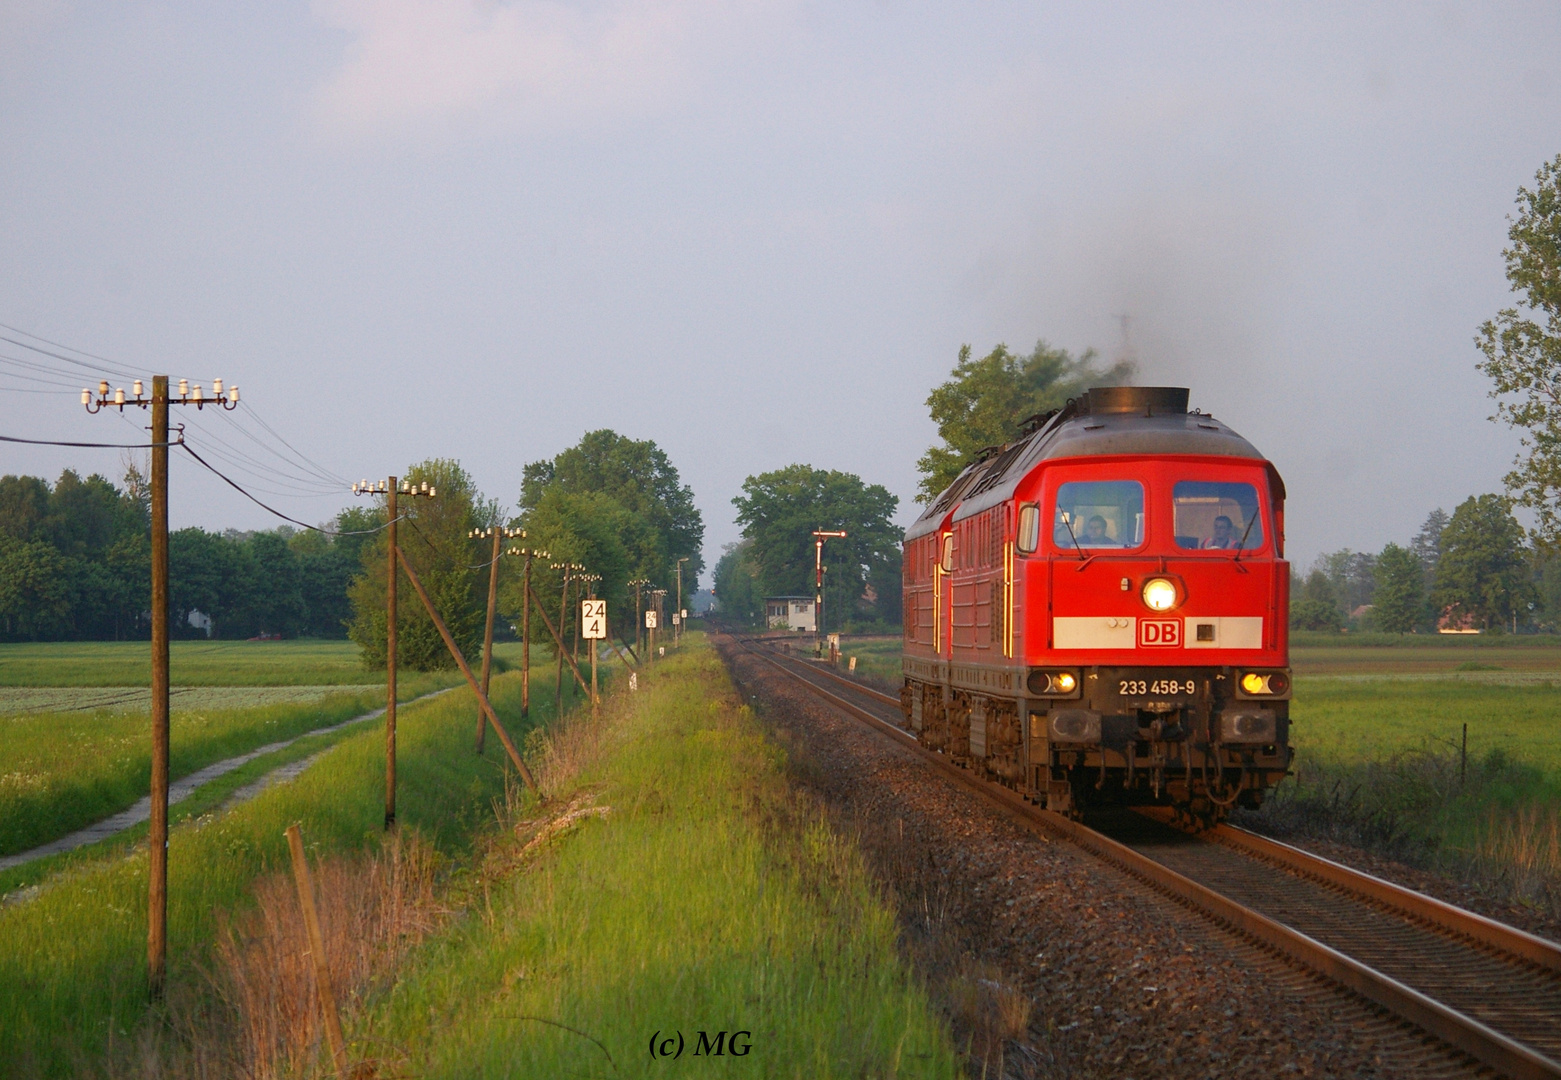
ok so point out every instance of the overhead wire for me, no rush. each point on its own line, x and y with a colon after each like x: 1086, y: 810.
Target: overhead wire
x: 86, y: 445
x: 277, y: 513
x: 240, y: 459
x: 321, y: 470
x: 117, y: 373
x: 71, y: 348
x: 305, y: 477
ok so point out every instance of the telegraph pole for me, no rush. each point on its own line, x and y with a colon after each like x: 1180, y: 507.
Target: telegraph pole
x: 390, y: 490
x: 527, y: 553
x: 819, y: 536
x: 639, y: 629
x: 656, y: 596
x: 563, y: 609
x: 677, y: 624
x: 499, y: 535
x: 157, y: 832
x: 157, y: 890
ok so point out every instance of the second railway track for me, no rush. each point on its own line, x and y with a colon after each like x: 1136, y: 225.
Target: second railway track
x: 1486, y: 989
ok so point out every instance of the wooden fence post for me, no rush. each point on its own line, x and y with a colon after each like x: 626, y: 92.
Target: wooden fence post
x: 322, y: 971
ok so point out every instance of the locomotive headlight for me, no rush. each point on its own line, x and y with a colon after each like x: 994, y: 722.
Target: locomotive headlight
x: 1043, y: 683
x: 1160, y: 594
x: 1254, y: 683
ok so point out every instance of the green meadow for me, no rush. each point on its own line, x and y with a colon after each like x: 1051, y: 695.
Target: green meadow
x: 60, y: 772
x: 191, y: 663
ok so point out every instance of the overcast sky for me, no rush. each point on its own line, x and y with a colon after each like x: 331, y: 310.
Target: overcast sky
x: 758, y: 233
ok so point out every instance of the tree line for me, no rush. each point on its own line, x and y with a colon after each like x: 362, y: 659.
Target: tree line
x: 614, y: 505
x: 75, y: 564
x: 1473, y: 570
x: 75, y: 557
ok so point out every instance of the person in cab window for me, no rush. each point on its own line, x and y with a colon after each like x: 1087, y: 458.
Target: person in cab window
x: 1095, y: 534
x: 1224, y: 536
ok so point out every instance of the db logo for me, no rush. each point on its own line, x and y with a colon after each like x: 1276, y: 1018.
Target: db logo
x: 1159, y: 633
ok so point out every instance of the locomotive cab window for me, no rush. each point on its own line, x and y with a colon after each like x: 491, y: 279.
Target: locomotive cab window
x: 1099, y: 514
x: 1217, y: 516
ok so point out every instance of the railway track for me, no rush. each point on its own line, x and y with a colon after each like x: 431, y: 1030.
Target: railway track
x: 1488, y: 990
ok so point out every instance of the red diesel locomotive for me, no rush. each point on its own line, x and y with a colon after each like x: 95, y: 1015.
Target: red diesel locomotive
x: 1098, y: 611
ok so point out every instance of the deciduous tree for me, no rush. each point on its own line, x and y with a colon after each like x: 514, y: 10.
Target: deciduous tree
x: 433, y: 536
x: 1399, y: 605
x: 985, y: 402
x: 1484, y: 570
x: 1314, y: 605
x: 1522, y: 350
x: 779, y: 511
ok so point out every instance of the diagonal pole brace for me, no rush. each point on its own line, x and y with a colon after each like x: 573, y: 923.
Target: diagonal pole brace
x: 482, y: 699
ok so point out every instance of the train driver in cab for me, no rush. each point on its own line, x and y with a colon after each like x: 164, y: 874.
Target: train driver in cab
x: 1095, y: 534
x: 1224, y: 537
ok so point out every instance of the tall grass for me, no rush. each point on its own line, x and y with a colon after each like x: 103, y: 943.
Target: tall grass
x: 673, y: 884
x: 62, y: 771
x: 73, y: 958
x: 1489, y: 820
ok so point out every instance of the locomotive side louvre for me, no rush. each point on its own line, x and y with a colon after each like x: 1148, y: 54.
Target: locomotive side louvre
x: 1108, y: 607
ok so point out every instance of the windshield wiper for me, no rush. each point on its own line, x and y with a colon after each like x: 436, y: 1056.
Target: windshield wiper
x: 1242, y: 543
x: 1075, y: 539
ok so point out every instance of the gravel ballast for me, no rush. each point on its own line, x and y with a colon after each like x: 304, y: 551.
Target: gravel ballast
x: 1052, y: 964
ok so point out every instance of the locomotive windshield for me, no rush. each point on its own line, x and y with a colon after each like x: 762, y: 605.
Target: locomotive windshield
x: 1099, y: 514
x: 1214, y: 515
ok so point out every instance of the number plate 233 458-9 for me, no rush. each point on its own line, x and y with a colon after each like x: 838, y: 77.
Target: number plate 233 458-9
x: 1157, y: 685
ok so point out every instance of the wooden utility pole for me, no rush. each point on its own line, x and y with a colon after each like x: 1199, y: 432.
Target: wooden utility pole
x: 563, y: 611
x: 157, y: 826
x: 558, y: 639
x: 526, y: 553
x: 525, y: 640
x: 157, y: 841
x: 677, y: 616
x: 391, y: 489
x: 390, y: 663
x: 487, y: 636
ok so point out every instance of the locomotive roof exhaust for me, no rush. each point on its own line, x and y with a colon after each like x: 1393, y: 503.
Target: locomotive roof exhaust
x: 1147, y: 400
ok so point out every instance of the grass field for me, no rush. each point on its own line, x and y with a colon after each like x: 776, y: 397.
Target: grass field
x: 61, y: 771
x: 191, y: 663
x: 701, y: 899
x: 73, y: 958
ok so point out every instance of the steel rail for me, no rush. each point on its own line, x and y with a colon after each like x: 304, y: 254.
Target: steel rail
x: 1418, y: 906
x: 1462, y: 1032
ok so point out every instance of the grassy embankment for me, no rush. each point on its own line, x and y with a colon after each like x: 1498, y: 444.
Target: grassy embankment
x: 1378, y: 732
x: 703, y: 898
